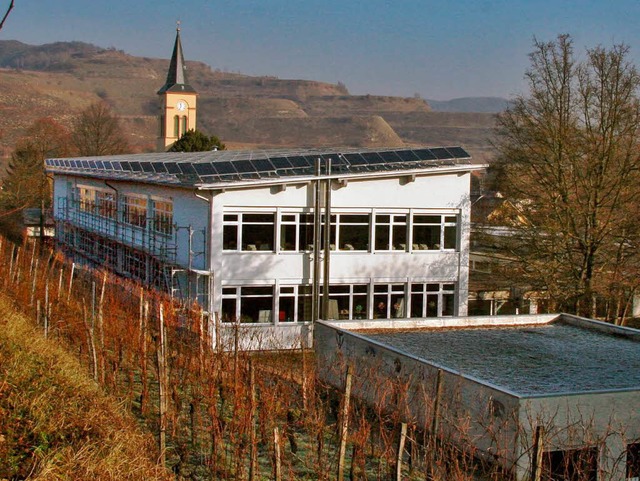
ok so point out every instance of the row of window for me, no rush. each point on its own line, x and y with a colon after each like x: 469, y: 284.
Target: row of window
x: 180, y: 125
x: 293, y: 303
x: 139, y: 211
x: 348, y: 231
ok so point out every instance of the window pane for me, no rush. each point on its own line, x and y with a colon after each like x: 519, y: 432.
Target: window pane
x: 450, y: 237
x: 417, y: 305
x: 288, y: 237
x: 400, y: 237
x: 426, y: 219
x: 447, y: 304
x: 426, y: 237
x: 382, y: 237
x: 354, y: 237
x: 432, y: 305
x: 257, y: 236
x: 380, y: 308
x: 228, y: 310
x: 230, y: 237
x: 286, y: 313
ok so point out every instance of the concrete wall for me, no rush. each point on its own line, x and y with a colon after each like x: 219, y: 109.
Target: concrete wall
x: 398, y: 382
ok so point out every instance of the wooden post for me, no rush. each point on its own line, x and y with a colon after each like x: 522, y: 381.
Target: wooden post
x: 344, y: 424
x: 144, y: 318
x: 60, y: 280
x: 435, y: 426
x: 536, y: 458
x: 253, y: 448
x: 162, y: 383
x: 34, y: 279
x: 73, y: 268
x: 401, y: 442
x: 100, y: 322
x: 46, y: 311
x: 38, y: 312
x: 277, y: 466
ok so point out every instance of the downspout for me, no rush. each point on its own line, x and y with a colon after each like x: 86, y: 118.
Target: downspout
x: 213, y: 319
x: 315, y: 304
x: 327, y: 241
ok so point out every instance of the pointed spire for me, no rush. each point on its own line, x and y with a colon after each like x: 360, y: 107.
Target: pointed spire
x: 176, y: 77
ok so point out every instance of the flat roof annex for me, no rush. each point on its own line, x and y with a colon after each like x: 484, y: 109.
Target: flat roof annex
x: 227, y: 168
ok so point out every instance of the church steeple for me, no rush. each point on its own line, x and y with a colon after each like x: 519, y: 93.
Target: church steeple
x: 176, y: 77
x: 178, y: 107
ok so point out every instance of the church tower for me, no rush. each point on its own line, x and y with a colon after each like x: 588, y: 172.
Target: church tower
x: 178, y: 100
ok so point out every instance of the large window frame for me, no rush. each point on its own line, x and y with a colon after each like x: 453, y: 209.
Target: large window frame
x: 432, y: 299
x: 162, y: 216
x: 434, y: 231
x: 249, y: 231
x: 134, y: 210
x: 248, y: 304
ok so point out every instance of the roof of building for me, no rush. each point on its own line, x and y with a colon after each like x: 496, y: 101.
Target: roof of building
x: 216, y: 169
x: 176, y: 76
x: 558, y: 354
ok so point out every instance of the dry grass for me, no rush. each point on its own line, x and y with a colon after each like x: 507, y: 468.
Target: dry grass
x: 55, y: 423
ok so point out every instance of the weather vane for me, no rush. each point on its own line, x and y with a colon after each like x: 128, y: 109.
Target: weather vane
x: 178, y: 25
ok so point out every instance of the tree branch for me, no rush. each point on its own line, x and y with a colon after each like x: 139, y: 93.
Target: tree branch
x: 6, y: 14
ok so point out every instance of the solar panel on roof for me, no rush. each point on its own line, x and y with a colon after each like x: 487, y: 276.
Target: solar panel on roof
x: 243, y: 166
x: 425, y: 154
x: 372, y: 158
x: 441, y: 153
x: 458, y: 152
x: 299, y: 161
x: 106, y: 165
x: 99, y: 164
x: 263, y: 165
x: 204, y: 169
x: 135, y: 166
x: 146, y: 167
x: 116, y: 165
x: 187, y: 168
x: 159, y: 167
x: 92, y: 164
x: 389, y: 156
x: 125, y: 165
x: 210, y: 178
x: 406, y: 155
x: 355, y: 159
x: 172, y: 168
x: 224, y: 167
x: 281, y: 163
x: 84, y: 164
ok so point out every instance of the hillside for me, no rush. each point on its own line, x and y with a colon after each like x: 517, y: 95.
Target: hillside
x: 60, y: 79
x: 78, y: 433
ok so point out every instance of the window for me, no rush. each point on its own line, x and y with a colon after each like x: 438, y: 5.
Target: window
x: 86, y: 199
x: 432, y: 300
x: 106, y: 204
x: 134, y: 210
x: 570, y: 465
x: 251, y: 231
x: 296, y: 232
x: 248, y: 304
x: 162, y: 216
x: 295, y: 303
x: 391, y: 232
x: 347, y: 301
x: 176, y: 126
x: 434, y: 232
x: 388, y: 301
x: 353, y: 232
x: 184, y: 124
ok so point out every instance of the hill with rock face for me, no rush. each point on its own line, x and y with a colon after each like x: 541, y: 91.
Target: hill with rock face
x: 60, y: 79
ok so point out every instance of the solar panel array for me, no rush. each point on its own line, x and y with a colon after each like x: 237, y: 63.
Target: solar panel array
x: 232, y: 166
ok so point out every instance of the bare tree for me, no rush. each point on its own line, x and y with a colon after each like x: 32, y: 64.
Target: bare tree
x: 569, y: 161
x: 97, y: 131
x: 6, y: 15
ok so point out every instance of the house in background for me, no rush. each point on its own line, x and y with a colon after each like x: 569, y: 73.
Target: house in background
x: 234, y: 230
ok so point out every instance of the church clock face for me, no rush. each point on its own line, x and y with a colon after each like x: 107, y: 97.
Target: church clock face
x: 181, y: 106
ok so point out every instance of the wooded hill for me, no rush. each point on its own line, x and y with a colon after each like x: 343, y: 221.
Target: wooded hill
x: 60, y: 79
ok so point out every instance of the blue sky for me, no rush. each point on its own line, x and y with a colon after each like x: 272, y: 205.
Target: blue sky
x: 439, y: 49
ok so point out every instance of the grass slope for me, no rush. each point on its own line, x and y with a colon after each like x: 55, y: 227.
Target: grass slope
x: 55, y: 423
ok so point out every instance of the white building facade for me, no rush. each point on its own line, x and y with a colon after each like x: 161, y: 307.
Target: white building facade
x: 235, y: 231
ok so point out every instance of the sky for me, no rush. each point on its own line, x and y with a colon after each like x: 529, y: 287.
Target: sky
x: 435, y: 48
